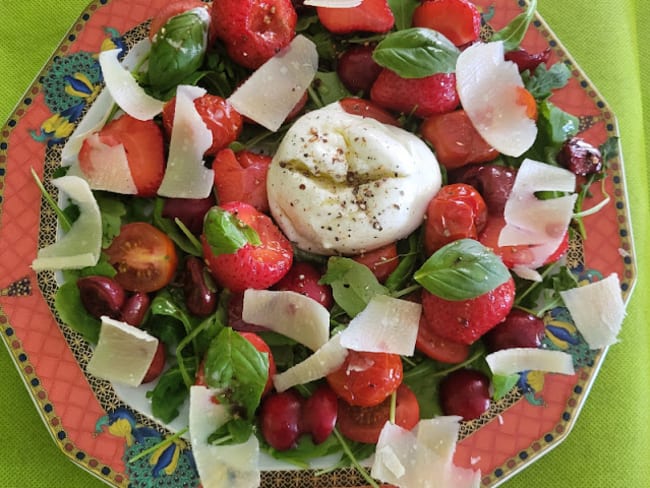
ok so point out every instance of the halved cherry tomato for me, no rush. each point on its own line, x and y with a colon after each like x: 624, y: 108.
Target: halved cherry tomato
x: 251, y: 266
x: 455, y: 140
x: 171, y: 10
x: 365, y: 379
x: 439, y: 348
x: 382, y: 262
x: 219, y: 116
x: 514, y: 255
x: 145, y: 258
x: 367, y: 108
x: 458, y: 20
x: 241, y: 177
x: 259, y: 344
x: 363, y: 424
x: 458, y: 211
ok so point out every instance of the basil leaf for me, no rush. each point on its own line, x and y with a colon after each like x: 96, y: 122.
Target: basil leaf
x: 462, y: 270
x: 235, y: 431
x: 169, y: 394
x: 416, y: 53
x: 353, y: 284
x: 69, y: 307
x: 226, y: 234
x: 329, y: 88
x: 556, y: 124
x: 513, y: 33
x: 178, y: 50
x: 403, y: 12
x: 237, y: 371
x: 543, y: 81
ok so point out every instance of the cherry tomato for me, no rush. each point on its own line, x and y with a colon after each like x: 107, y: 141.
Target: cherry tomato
x: 363, y: 424
x: 260, y: 266
x: 455, y: 140
x: 439, y: 348
x: 241, y: 177
x: 365, y: 379
x: 145, y: 258
x: 382, y: 262
x: 457, y: 211
x: 259, y: 344
x: 219, y: 116
x: 515, y: 255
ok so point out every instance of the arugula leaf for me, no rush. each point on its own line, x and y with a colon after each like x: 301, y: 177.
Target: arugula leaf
x: 540, y: 297
x: 462, y: 270
x: 329, y: 88
x: 543, y: 81
x: 410, y: 252
x: 403, y: 12
x: 503, y: 384
x: 353, y: 284
x: 69, y: 307
x: 235, y: 431
x: 556, y: 124
x: 237, y: 371
x: 112, y: 211
x: 168, y: 395
x: 513, y: 33
x: 304, y: 452
x: 172, y: 229
x: 226, y: 234
x: 177, y: 50
x: 416, y: 53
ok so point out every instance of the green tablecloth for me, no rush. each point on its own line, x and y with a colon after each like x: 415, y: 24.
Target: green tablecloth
x: 610, y: 444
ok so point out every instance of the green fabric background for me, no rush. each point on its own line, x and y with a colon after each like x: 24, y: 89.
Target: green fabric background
x: 610, y: 443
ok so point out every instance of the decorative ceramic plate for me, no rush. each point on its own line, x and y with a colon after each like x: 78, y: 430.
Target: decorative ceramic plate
x: 100, y: 433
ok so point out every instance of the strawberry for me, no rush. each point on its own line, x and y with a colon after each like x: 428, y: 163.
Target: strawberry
x: 144, y: 148
x: 424, y: 96
x: 251, y: 266
x: 370, y: 16
x: 457, y: 20
x: 241, y: 177
x: 465, y: 321
x: 254, y: 30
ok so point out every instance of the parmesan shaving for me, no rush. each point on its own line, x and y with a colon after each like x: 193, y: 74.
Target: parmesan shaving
x: 186, y: 176
x: 274, y: 89
x: 327, y: 359
x: 597, y: 310
x: 81, y: 245
x: 123, y: 354
x: 518, y: 359
x: 125, y: 90
x: 232, y: 466
x: 387, y: 325
x: 292, y: 314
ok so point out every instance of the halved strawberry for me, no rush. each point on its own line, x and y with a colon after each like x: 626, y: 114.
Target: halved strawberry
x: 254, y: 30
x: 457, y: 20
x: 370, y: 16
x: 465, y: 321
x: 241, y: 177
x: 423, y: 96
x: 251, y: 266
x: 143, y: 144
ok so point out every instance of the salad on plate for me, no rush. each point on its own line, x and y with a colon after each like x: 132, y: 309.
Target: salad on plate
x: 324, y: 233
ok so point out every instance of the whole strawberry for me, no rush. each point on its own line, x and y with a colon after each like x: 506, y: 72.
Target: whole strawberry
x: 465, y: 321
x: 423, y: 96
x: 254, y: 31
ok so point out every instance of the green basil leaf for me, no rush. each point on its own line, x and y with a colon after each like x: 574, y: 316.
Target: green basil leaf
x: 226, y: 234
x: 178, y: 50
x: 556, y: 124
x: 169, y: 394
x: 353, y: 284
x: 543, y: 81
x: 69, y: 307
x: 416, y: 53
x: 403, y: 12
x: 329, y: 88
x: 503, y: 384
x: 513, y: 33
x: 462, y: 270
x: 237, y: 371
x: 235, y: 431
